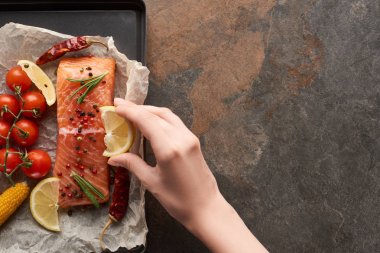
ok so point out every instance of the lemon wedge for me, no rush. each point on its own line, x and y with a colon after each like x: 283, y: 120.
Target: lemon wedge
x: 120, y: 132
x: 43, y: 203
x: 40, y: 79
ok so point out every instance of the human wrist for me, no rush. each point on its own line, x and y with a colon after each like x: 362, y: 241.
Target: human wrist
x: 222, y: 230
x: 211, y: 211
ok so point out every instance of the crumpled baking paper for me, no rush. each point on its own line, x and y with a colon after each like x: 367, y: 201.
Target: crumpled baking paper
x: 80, y: 231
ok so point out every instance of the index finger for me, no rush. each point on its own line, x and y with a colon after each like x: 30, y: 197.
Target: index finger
x: 150, y: 125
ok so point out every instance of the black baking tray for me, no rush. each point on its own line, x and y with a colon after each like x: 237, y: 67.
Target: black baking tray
x: 125, y: 21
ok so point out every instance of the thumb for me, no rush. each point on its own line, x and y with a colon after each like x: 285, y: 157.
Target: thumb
x: 135, y: 165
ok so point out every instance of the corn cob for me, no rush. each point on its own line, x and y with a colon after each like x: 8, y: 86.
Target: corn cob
x: 11, y: 199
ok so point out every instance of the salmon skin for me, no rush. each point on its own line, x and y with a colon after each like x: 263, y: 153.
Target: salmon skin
x: 80, y: 141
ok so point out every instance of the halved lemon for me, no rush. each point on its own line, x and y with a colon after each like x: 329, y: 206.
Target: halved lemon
x: 120, y: 132
x: 44, y: 203
x: 40, y: 79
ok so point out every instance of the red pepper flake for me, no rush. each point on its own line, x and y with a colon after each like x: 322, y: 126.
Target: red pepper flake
x: 69, y: 195
x: 81, y: 174
x: 85, y: 125
x: 79, y: 152
x: 59, y: 174
x: 77, y: 148
x: 63, y: 194
x: 71, y: 118
x: 67, y: 186
x: 67, y: 166
x: 81, y: 167
x: 60, y: 189
x: 85, y: 118
x: 103, y: 81
x: 94, y: 171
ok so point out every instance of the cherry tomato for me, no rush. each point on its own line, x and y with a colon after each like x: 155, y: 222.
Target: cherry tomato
x: 16, y: 77
x: 34, y: 100
x: 4, y: 130
x: 25, y: 132
x: 11, y: 103
x: 41, y: 164
x: 12, y: 161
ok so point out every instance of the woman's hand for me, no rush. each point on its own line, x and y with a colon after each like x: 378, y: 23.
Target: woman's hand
x: 181, y: 181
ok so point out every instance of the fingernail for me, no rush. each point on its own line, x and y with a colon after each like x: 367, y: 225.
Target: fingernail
x: 118, y: 101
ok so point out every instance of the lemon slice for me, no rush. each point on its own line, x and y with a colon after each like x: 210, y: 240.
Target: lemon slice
x: 120, y: 132
x: 43, y: 203
x: 40, y: 79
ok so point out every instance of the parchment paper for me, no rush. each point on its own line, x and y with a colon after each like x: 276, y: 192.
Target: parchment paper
x: 80, y: 231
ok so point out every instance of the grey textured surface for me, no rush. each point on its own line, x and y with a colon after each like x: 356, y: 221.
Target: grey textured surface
x: 297, y: 150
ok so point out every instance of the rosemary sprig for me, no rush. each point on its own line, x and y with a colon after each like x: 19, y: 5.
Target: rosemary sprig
x: 89, y: 195
x: 81, y: 80
x: 89, y: 185
x: 88, y: 188
x: 89, y: 84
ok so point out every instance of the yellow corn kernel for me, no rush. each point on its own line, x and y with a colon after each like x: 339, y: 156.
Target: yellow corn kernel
x: 11, y: 199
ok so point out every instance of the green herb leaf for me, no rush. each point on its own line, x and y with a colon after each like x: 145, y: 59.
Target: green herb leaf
x: 90, y: 196
x: 80, y: 80
x: 89, y: 83
x: 89, y: 185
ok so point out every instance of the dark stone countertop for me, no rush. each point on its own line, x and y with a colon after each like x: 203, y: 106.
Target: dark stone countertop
x: 285, y: 98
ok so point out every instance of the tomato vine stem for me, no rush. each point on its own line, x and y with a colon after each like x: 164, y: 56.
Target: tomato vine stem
x: 23, y: 156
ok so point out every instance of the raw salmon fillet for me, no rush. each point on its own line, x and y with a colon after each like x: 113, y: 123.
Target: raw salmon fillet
x: 80, y: 141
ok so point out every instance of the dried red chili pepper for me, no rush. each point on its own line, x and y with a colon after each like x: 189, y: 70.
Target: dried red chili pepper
x: 120, y: 197
x: 70, y: 45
